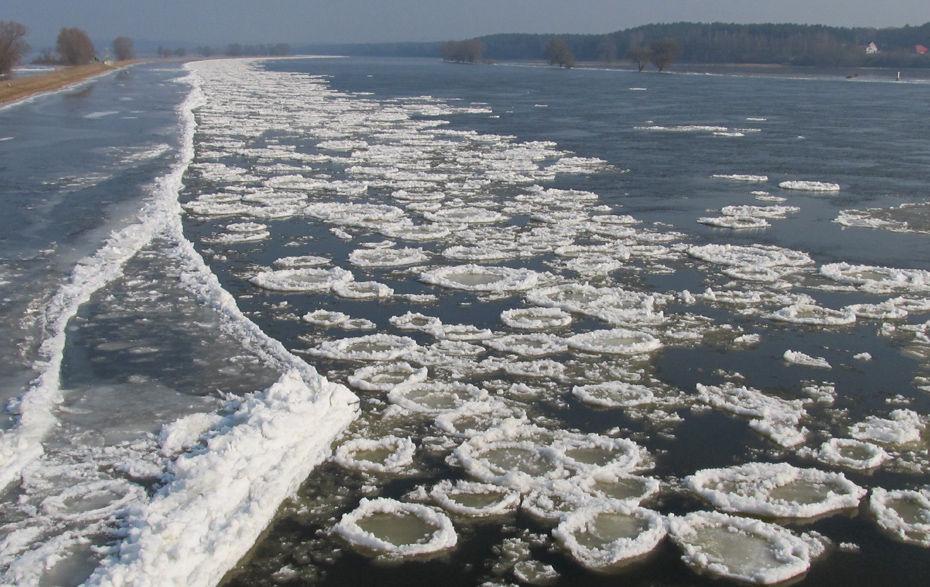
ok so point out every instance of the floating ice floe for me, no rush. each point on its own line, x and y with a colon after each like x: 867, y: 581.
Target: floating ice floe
x: 435, y: 397
x: 763, y: 255
x: 372, y: 347
x: 618, y: 486
x: 800, y: 358
x: 415, y: 232
x: 465, y: 215
x: 809, y: 186
x: 481, y: 278
x: 480, y: 500
x: 386, y: 257
x: 775, y: 490
x: 905, y: 514
x: 513, y: 454
x: 393, y: 530
x: 618, y: 341
x: 735, y: 222
x: 544, y: 368
x: 385, y: 376
x: 601, y: 536
x: 741, y: 548
x: 328, y: 318
x: 590, y: 453
x: 479, y: 253
x: 593, y: 265
x: 358, y: 215
x: 389, y: 454
x: 851, y: 454
x: 528, y: 345
x: 461, y: 332
x: 813, y: 314
x: 773, y: 417
x: 551, y: 501
x: 301, y: 280
x: 759, y: 211
x: 904, y: 427
x: 886, y: 310
x: 745, y: 178
x: 615, y: 394
x: 416, y: 321
x: 878, y: 279
x: 476, y: 418
x: 300, y: 262
x: 536, y: 318
x: 685, y: 128
x: 362, y: 290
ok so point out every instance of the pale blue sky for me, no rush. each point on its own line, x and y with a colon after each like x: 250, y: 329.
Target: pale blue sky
x: 219, y: 22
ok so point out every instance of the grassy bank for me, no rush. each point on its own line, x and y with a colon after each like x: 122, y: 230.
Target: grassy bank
x: 23, y: 87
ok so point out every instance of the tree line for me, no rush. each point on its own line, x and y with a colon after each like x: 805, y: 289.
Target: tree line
x: 74, y: 47
x: 781, y: 44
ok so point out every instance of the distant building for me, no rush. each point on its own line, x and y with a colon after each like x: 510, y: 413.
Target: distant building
x: 921, y: 50
x: 871, y: 49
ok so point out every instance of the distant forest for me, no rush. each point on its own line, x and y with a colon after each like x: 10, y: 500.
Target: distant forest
x: 781, y: 44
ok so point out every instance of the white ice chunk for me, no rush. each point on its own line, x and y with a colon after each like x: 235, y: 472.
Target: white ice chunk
x: 764, y: 255
x: 739, y: 548
x: 482, y: 278
x: 618, y: 341
x: 393, y: 530
x: 385, y: 257
x: 529, y: 345
x: 300, y: 262
x: 735, y: 222
x: 904, y: 427
x: 221, y: 499
x: 384, y: 377
x: 435, y: 397
x: 809, y: 186
x: 601, y: 536
x: 615, y: 394
x: 851, y: 454
x: 800, y: 358
x: 468, y: 498
x: 372, y: 347
x: 389, y: 454
x: 773, y: 417
x: 875, y: 279
x: 301, y: 280
x: 362, y: 290
x: 744, y: 178
x: 536, y: 318
x: 775, y: 490
x: 813, y: 314
x: 905, y: 514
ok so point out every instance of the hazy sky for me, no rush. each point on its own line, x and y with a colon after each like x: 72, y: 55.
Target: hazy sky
x: 218, y: 22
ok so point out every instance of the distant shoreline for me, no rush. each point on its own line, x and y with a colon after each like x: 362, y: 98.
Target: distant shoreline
x: 21, y: 88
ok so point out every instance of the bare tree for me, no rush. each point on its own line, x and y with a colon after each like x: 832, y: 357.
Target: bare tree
x: 280, y: 49
x: 469, y: 51
x: 180, y: 52
x: 12, y: 45
x: 47, y: 56
x: 122, y: 49
x: 664, y: 52
x: 640, y: 56
x: 75, y: 47
x: 559, y: 53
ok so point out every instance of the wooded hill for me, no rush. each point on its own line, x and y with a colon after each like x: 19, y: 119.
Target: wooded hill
x: 783, y: 44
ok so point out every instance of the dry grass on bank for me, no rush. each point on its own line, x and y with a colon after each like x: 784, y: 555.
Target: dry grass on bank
x: 23, y: 87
